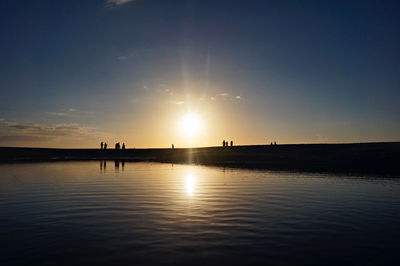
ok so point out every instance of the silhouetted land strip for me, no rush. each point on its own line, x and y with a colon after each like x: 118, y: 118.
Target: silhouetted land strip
x: 360, y: 158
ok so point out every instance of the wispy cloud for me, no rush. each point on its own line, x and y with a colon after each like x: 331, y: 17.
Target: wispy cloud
x: 180, y: 102
x: 141, y: 54
x: 70, y: 112
x: 48, y: 130
x: 137, y: 54
x: 57, y: 113
x: 119, y: 2
x: 21, y: 138
x: 123, y: 57
x: 226, y: 96
x: 15, y: 131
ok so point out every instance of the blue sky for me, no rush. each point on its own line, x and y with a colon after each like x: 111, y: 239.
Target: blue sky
x: 74, y: 73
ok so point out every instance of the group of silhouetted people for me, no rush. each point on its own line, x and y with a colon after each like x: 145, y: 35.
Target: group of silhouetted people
x: 103, y: 146
x: 226, y: 143
x: 273, y: 143
x: 118, y: 146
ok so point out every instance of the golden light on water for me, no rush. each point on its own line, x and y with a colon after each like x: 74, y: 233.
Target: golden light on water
x: 190, y: 184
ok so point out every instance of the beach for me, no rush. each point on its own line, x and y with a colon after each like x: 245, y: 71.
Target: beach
x: 356, y: 158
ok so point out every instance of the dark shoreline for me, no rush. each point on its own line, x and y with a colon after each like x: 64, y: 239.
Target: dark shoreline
x: 359, y: 158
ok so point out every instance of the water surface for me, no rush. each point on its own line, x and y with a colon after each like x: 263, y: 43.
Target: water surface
x: 97, y: 213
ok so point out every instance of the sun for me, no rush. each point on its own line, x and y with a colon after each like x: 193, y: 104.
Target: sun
x: 191, y: 125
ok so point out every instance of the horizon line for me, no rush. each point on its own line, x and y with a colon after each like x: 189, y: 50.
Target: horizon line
x: 200, y: 147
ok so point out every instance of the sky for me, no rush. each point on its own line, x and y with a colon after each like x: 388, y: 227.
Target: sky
x: 75, y: 73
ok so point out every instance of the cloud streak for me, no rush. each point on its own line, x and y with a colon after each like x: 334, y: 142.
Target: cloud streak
x: 22, y: 138
x: 119, y: 2
x: 71, y: 112
x: 58, y: 113
x: 39, y: 132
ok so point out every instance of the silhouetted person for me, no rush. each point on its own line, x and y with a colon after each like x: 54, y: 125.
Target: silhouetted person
x: 275, y: 143
x: 271, y: 143
x: 116, y: 146
x: 101, y: 145
x: 231, y: 143
x: 123, y: 146
x: 173, y: 147
x: 105, y: 145
x: 223, y: 143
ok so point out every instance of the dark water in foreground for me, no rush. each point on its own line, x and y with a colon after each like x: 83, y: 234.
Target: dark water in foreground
x: 83, y: 213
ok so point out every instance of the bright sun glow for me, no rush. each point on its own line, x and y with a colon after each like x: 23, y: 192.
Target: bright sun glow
x: 191, y: 125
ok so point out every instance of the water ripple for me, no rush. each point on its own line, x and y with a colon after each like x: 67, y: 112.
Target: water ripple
x: 148, y: 213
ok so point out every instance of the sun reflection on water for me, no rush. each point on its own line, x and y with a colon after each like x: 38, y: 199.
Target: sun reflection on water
x: 190, y: 184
